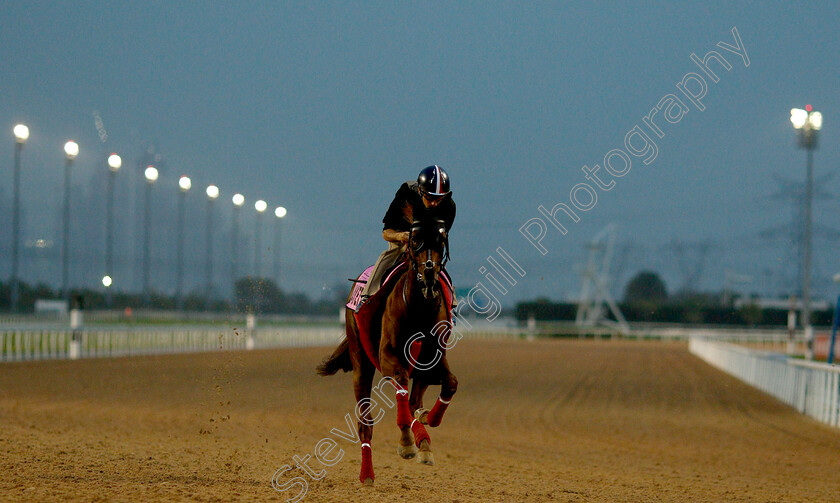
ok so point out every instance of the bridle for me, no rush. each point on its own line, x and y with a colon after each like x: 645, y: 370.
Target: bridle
x: 420, y: 268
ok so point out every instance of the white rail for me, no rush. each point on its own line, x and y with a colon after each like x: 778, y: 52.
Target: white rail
x: 54, y: 343
x: 812, y: 388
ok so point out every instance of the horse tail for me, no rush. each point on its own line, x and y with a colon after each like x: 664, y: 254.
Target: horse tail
x: 339, y: 360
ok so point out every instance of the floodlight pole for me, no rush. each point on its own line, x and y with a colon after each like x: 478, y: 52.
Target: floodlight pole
x: 151, y: 175
x: 807, y: 123
x: 806, y: 277
x: 184, y: 184
x: 209, y: 257
x: 212, y: 194
x: 71, y: 150
x: 15, y: 293
x: 179, y: 252
x: 114, y: 164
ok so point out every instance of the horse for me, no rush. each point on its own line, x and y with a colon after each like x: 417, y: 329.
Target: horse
x: 413, y: 309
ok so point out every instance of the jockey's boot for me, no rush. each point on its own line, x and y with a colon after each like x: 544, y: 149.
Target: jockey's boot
x: 362, y: 301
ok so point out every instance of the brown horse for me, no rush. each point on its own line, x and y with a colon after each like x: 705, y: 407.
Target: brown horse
x: 414, y: 310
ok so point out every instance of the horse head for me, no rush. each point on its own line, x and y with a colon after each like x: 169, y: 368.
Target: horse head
x: 428, y: 250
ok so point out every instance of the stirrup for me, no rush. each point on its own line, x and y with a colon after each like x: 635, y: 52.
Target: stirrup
x: 362, y: 301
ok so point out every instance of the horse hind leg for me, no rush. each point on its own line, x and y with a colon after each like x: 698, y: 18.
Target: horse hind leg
x: 362, y: 384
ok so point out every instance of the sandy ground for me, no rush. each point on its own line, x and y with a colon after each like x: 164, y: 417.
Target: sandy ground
x: 573, y: 421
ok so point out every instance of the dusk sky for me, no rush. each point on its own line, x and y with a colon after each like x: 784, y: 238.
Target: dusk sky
x: 326, y: 108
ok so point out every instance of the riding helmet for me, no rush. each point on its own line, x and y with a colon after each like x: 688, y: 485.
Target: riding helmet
x: 433, y: 181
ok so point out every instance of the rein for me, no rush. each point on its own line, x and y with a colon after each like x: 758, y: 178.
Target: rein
x: 417, y: 267
x: 429, y: 264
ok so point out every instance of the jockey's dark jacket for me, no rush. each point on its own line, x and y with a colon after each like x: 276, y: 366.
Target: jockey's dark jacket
x: 408, y: 206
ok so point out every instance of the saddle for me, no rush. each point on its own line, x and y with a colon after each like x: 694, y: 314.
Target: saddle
x: 369, y: 309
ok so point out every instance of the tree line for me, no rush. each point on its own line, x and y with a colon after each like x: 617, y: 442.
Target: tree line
x: 646, y: 299
x: 258, y: 295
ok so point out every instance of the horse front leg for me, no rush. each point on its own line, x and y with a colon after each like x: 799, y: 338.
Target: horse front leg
x: 398, y: 378
x: 415, y: 400
x: 414, y: 440
x: 448, y: 388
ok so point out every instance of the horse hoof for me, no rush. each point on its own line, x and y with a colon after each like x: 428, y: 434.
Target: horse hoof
x: 368, y: 482
x: 407, y: 451
x: 421, y: 415
x: 426, y: 458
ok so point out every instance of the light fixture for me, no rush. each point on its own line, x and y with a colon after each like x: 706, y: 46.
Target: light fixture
x: 21, y: 133
x: 71, y: 148
x: 151, y: 174
x: 114, y: 162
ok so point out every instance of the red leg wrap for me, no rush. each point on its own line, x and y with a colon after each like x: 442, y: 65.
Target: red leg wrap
x: 436, y: 414
x: 403, y: 414
x: 420, y: 433
x: 367, y: 465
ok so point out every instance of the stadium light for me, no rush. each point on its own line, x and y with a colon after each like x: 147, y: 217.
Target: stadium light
x: 260, y: 206
x: 798, y: 117
x: 21, y: 133
x: 815, y: 120
x: 151, y: 174
x: 114, y: 162
x: 212, y: 195
x: 184, y: 185
x: 807, y: 123
x: 71, y: 150
x: 212, y: 191
x: 114, y: 165
x: 280, y: 213
x: 238, y: 201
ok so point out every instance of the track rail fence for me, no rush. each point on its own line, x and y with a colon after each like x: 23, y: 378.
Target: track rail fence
x: 52, y: 343
x: 812, y: 388
x: 48, y: 343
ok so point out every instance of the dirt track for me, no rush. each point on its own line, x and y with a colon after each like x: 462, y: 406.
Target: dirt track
x: 575, y: 421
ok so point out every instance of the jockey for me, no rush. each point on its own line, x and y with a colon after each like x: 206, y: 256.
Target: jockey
x: 428, y: 197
